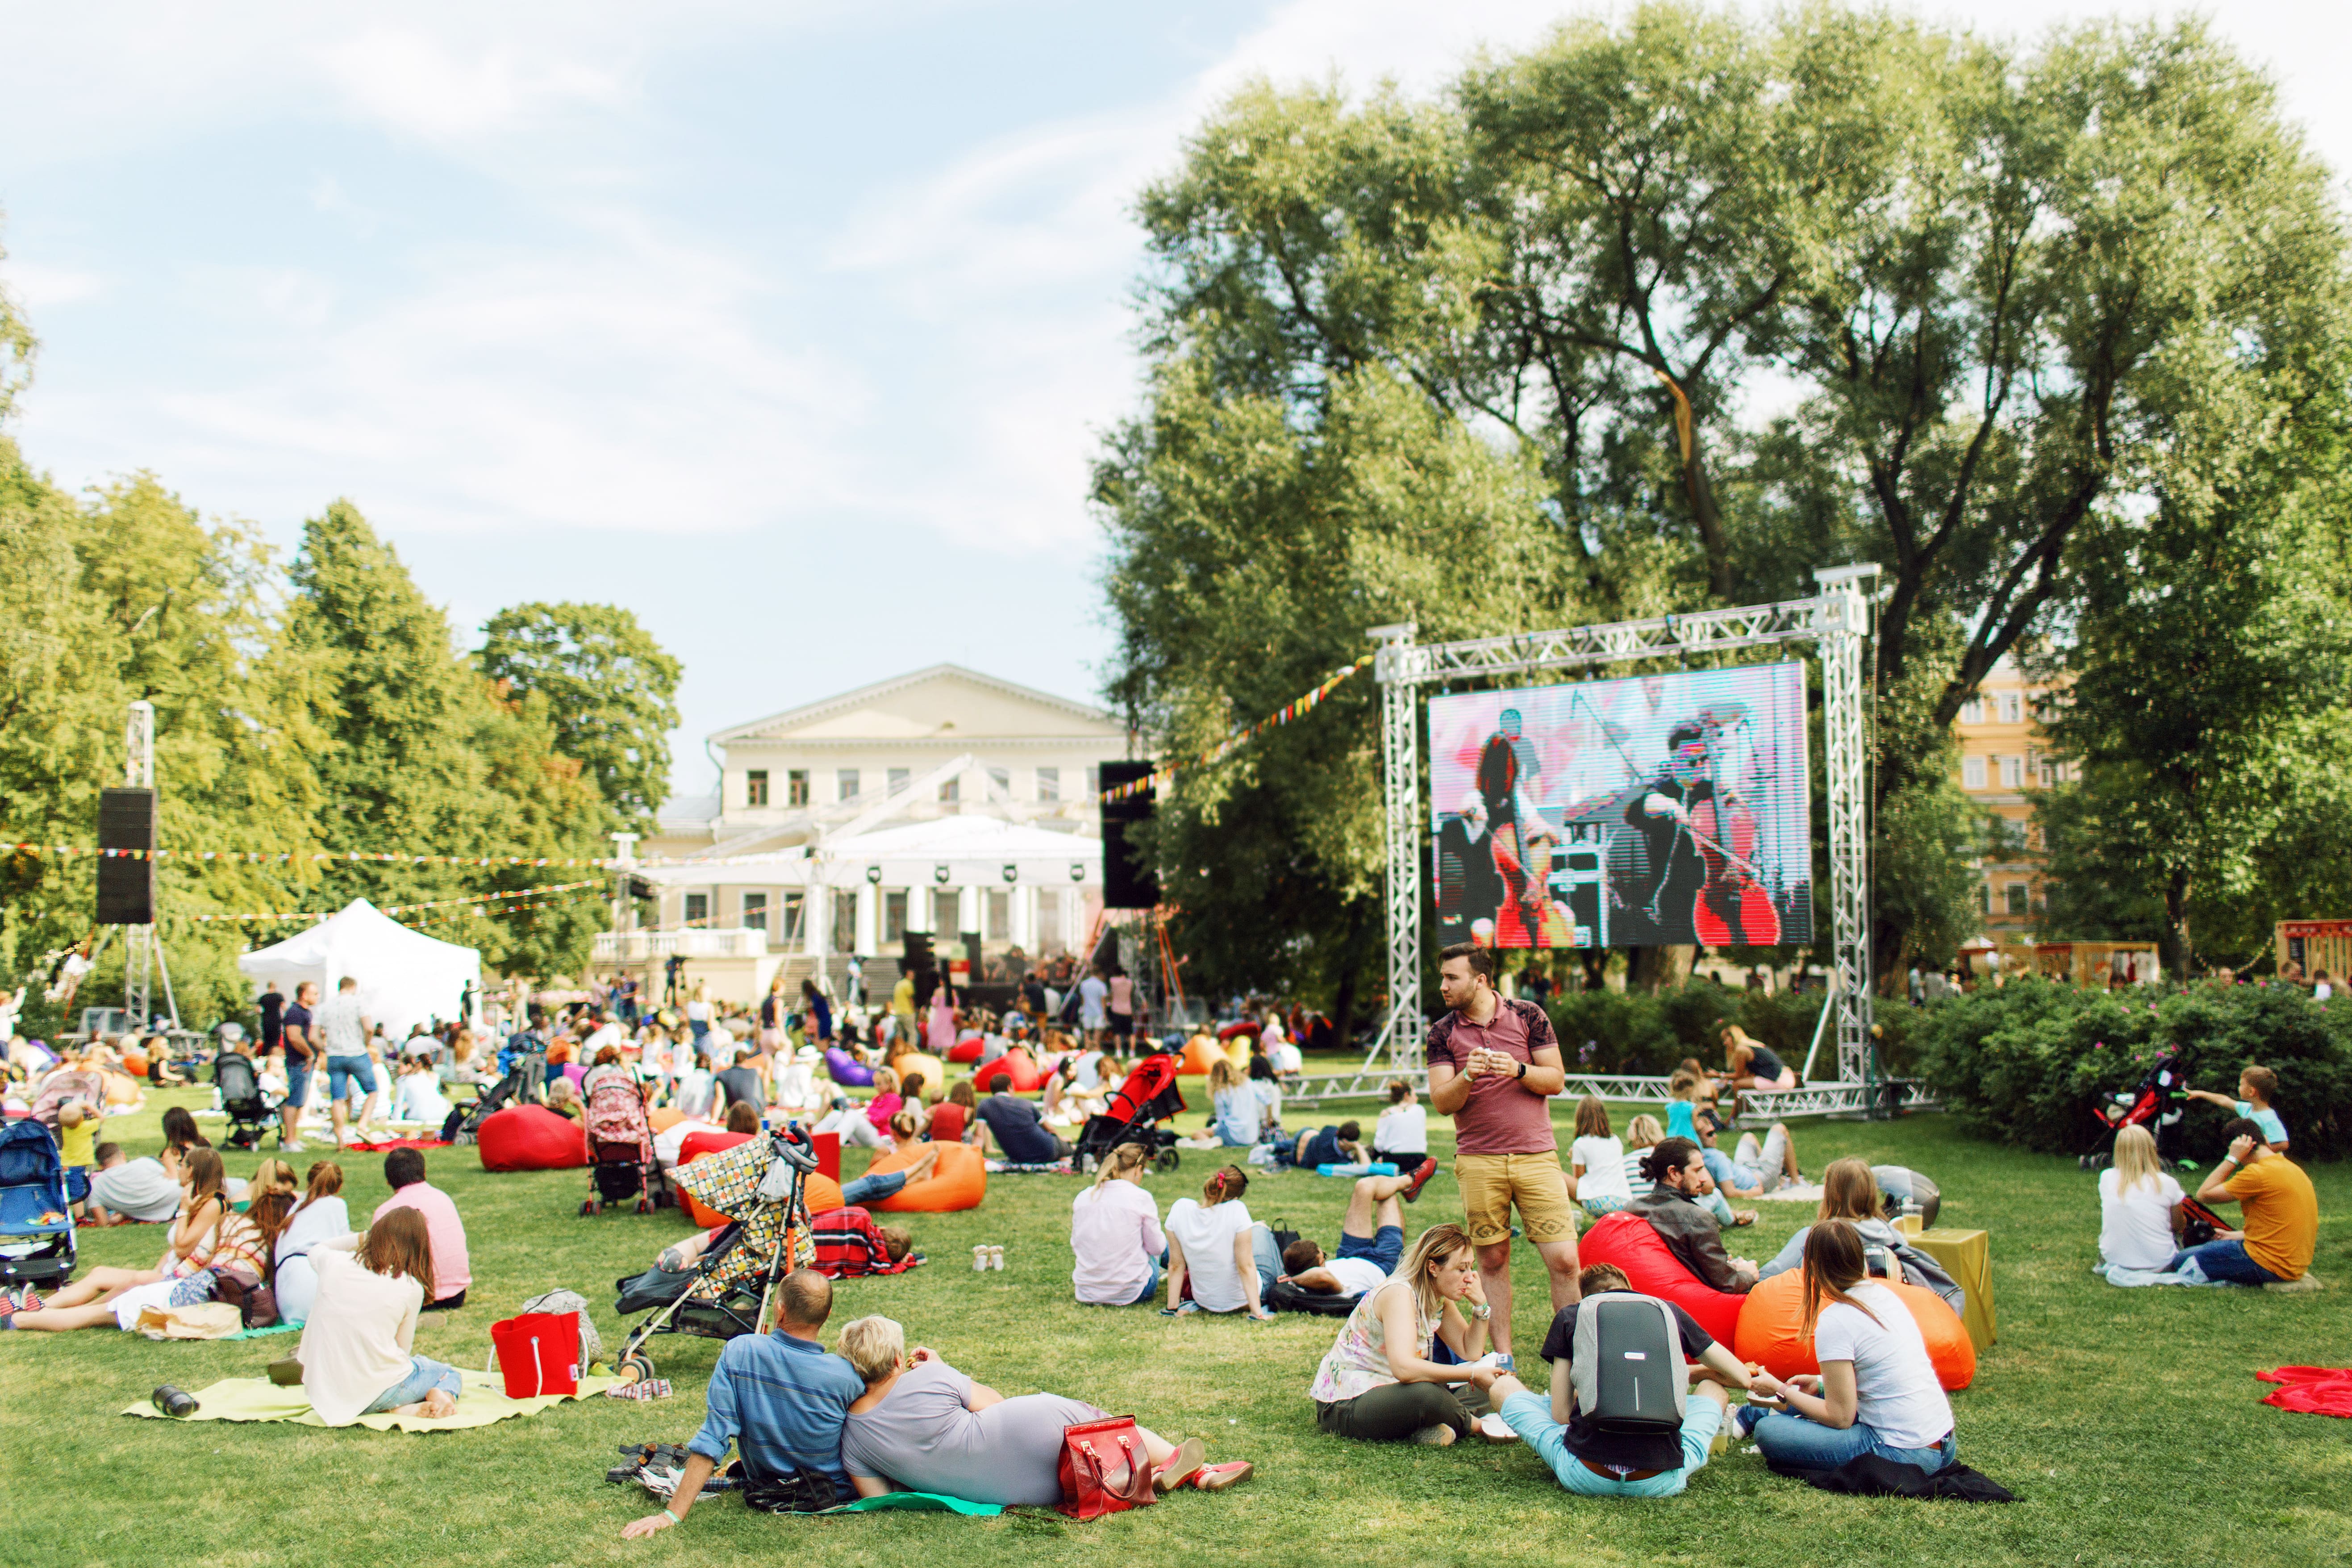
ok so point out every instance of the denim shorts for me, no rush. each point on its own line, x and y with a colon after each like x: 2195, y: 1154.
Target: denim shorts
x: 424, y: 1375
x: 358, y: 1071
x: 298, y: 1082
x: 1385, y: 1247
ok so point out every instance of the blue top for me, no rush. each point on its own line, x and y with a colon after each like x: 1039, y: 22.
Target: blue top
x: 781, y: 1401
x: 2274, y: 1129
x: 1679, y: 1122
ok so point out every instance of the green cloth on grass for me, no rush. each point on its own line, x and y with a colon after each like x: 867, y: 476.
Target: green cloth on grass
x: 916, y: 1502
x: 481, y: 1400
x: 258, y: 1333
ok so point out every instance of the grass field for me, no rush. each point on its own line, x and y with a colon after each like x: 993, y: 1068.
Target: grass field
x: 2128, y: 1423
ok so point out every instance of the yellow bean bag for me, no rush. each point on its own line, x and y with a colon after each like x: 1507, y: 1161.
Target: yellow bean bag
x: 1237, y: 1052
x: 1771, y: 1331
x: 960, y: 1182
x: 935, y: 1075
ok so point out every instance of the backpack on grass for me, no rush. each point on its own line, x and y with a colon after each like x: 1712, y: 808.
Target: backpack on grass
x: 1626, y: 1366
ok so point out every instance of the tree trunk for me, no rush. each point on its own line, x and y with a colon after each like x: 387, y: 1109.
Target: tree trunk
x: 2176, y: 922
x: 1653, y: 969
x: 1596, y: 967
x: 1343, y: 1003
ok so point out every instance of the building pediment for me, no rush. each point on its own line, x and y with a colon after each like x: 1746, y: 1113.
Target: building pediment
x: 946, y: 703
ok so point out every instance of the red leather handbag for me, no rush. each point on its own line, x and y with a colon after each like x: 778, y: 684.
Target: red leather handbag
x: 1104, y: 1468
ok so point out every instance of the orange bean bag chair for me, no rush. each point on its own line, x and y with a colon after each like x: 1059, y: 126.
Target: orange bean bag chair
x: 1026, y: 1073
x: 960, y: 1182
x: 1626, y: 1240
x: 1772, y: 1335
x: 934, y: 1071
x: 1200, y: 1055
x: 666, y: 1117
x: 531, y: 1138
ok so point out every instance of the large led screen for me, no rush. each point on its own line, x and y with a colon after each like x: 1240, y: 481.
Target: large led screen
x: 1659, y: 809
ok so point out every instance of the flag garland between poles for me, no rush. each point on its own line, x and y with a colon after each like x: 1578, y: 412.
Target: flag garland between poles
x: 1239, y: 738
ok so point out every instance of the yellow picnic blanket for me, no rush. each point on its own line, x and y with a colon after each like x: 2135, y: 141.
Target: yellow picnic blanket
x: 482, y: 1400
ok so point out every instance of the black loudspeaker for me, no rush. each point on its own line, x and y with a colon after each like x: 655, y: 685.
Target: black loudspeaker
x: 1130, y: 881
x: 915, y: 951
x: 126, y: 883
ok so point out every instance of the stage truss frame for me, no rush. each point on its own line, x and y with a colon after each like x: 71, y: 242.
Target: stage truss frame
x: 1837, y: 621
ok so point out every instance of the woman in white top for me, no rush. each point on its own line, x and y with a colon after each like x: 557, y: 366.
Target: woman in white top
x: 319, y: 1218
x: 355, y: 1349
x: 2140, y: 1207
x: 1877, y: 1392
x: 1377, y: 1383
x: 1403, y: 1126
x: 1114, y: 1233
x: 417, y: 1096
x: 1596, y: 1162
x: 1213, y: 1247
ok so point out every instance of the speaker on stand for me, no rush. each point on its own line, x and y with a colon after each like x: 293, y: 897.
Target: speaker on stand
x: 1129, y: 880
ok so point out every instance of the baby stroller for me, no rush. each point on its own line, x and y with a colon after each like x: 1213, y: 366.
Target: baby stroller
x: 1149, y: 1097
x: 760, y: 1186
x: 621, y: 1148
x: 520, y: 1086
x: 36, y: 1229
x: 2155, y: 1104
x: 240, y: 1096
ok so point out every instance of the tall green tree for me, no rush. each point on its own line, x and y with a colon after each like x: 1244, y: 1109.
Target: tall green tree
x: 610, y: 687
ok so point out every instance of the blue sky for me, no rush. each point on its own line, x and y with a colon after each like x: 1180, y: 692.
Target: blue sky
x: 792, y: 327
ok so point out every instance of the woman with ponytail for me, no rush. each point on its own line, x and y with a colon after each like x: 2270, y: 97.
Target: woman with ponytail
x: 1214, y: 1248
x: 320, y: 1216
x: 1114, y: 1233
x: 1877, y: 1392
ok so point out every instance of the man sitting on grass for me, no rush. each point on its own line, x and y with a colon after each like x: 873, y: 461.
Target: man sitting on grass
x: 404, y: 1173
x: 2282, y: 1228
x: 781, y: 1400
x: 1016, y: 1125
x: 1372, y: 1239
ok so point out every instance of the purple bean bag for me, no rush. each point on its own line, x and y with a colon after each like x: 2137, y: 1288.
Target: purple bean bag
x: 844, y: 1069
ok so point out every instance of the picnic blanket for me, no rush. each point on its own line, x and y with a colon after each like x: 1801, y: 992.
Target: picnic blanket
x: 482, y: 1400
x: 2117, y: 1274
x: 1793, y: 1192
x: 2311, y: 1390
x: 1004, y: 1168
x: 381, y: 1145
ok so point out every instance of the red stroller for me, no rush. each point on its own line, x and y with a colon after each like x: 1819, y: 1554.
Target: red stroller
x: 2157, y: 1104
x: 1149, y: 1097
x: 621, y: 1147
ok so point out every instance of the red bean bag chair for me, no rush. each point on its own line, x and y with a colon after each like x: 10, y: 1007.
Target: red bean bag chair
x: 1771, y: 1331
x: 1626, y: 1240
x: 828, y: 1152
x: 531, y: 1138
x: 1235, y: 1031
x: 1026, y: 1073
x: 967, y: 1050
x: 960, y: 1182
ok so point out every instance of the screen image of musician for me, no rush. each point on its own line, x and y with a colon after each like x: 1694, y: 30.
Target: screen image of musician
x: 1633, y: 813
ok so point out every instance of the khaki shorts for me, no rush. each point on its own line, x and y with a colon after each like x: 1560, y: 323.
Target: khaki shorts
x: 1492, y: 1184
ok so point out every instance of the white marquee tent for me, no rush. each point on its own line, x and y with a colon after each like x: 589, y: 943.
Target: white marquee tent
x: 406, y: 977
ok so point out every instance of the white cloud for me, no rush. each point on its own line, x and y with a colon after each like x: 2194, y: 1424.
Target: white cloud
x: 41, y: 287
x: 432, y: 89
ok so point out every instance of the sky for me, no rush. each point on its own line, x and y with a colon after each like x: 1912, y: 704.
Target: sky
x: 792, y: 327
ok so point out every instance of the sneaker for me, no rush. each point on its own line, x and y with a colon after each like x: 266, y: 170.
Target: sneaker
x: 294, y: 1148
x: 1435, y: 1437
x: 1180, y: 1467
x: 1744, y: 1419
x: 1420, y: 1174
x: 1217, y: 1477
x: 1495, y: 1429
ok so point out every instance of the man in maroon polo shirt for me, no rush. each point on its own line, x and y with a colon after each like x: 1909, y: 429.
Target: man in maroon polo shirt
x: 1493, y: 1067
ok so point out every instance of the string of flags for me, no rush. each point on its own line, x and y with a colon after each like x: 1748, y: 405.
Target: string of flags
x: 1239, y: 738
x: 280, y: 858
x: 511, y: 895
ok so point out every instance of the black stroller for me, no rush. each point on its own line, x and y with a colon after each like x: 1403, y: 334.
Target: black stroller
x: 526, y: 1081
x: 36, y: 1229
x: 1149, y: 1097
x: 241, y: 1101
x: 760, y: 1186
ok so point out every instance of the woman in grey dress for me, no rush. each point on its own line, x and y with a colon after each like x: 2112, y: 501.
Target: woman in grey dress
x: 924, y: 1426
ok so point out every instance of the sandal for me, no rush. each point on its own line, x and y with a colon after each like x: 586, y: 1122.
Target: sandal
x: 1182, y: 1465
x: 1217, y: 1477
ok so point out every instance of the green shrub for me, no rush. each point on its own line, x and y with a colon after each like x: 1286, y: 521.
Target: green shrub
x: 1633, y: 1031
x: 2029, y: 1063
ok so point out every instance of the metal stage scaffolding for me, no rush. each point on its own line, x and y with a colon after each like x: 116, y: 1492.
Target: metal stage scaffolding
x: 1837, y: 620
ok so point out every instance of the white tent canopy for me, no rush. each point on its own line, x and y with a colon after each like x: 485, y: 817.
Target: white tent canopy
x: 954, y: 851
x: 406, y: 977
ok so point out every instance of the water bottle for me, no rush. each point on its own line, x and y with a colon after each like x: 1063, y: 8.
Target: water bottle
x: 173, y: 1402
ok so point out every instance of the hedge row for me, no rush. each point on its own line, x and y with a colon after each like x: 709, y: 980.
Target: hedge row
x: 2028, y: 1063
x: 1635, y: 1032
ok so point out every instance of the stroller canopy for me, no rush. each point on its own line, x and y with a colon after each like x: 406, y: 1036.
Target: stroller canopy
x: 406, y: 977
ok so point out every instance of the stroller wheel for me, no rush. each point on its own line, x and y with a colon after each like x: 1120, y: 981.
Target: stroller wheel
x: 636, y: 1367
x: 644, y: 1206
x: 1167, y: 1160
x: 587, y: 1208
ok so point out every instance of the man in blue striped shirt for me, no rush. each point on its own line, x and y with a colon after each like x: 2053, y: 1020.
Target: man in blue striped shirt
x: 778, y: 1398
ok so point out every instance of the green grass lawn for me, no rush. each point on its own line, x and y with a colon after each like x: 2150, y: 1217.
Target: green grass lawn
x: 2128, y: 1423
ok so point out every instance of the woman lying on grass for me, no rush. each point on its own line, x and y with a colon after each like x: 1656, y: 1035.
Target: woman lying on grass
x: 208, y: 1240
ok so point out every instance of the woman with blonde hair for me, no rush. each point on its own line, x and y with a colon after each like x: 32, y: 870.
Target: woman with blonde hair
x: 1377, y: 1383
x: 1114, y: 1233
x: 355, y: 1353
x: 1234, y: 1120
x: 1849, y: 1193
x: 922, y: 1425
x: 2141, y: 1209
x: 1754, y: 1064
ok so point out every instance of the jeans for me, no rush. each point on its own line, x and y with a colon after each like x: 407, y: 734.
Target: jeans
x: 1529, y: 1415
x: 424, y: 1375
x: 1143, y: 1298
x: 1792, y: 1440
x: 350, y: 1075
x: 2226, y: 1261
x: 297, y: 1083
x: 1268, y: 1258
x: 1225, y: 1139
x: 872, y: 1189
x: 1384, y: 1247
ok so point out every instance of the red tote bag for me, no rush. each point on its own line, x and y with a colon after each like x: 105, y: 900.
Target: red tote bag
x: 1104, y: 1468
x: 539, y: 1353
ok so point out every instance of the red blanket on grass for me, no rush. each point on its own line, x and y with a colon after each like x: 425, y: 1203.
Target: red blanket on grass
x: 2314, y: 1390
x: 382, y: 1143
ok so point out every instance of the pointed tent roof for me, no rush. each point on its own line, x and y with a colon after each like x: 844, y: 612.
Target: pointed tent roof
x: 404, y: 975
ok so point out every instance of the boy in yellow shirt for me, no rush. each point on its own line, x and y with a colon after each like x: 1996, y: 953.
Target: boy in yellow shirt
x: 77, y: 1145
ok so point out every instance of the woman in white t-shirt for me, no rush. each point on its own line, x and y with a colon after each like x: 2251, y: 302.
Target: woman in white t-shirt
x: 1403, y: 1126
x: 321, y: 1217
x: 1114, y: 1233
x: 1213, y: 1247
x: 1596, y: 1162
x: 2139, y: 1207
x: 1877, y: 1392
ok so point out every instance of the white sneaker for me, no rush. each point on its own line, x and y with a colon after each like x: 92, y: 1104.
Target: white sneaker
x: 1495, y: 1429
x: 1435, y: 1437
x: 292, y: 1149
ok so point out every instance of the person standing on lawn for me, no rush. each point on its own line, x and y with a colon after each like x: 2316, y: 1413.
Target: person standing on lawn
x: 1493, y: 1067
x: 2282, y: 1224
x: 301, y: 1055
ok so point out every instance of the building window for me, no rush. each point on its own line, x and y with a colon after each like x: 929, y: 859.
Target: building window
x: 2012, y: 773
x: 946, y: 918
x: 898, y: 777
x: 698, y: 908
x: 951, y: 788
x: 2048, y: 774
x: 1094, y: 781
x: 1049, y: 783
x: 795, y: 918
x: 755, y: 911
x: 894, y: 917
x: 2013, y: 897
x: 796, y: 786
x: 755, y: 787
x: 999, y: 780
x: 1047, y: 938
x: 845, y: 782
x: 1000, y: 915
x: 1984, y: 898
x: 844, y: 921
x: 2013, y: 708
x: 1972, y: 710
x: 1972, y: 773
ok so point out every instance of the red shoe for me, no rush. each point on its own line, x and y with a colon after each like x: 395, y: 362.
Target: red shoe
x: 1420, y: 1174
x: 1217, y: 1477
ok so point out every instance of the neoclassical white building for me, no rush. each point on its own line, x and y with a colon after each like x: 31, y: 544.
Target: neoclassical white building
x: 944, y: 801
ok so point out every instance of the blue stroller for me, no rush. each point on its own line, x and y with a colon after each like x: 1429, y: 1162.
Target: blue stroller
x: 37, y: 1229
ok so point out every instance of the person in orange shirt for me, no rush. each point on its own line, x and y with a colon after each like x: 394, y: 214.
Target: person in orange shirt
x: 2282, y: 1215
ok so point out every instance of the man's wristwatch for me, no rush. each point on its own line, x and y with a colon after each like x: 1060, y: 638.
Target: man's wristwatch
x: 1523, y: 1069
